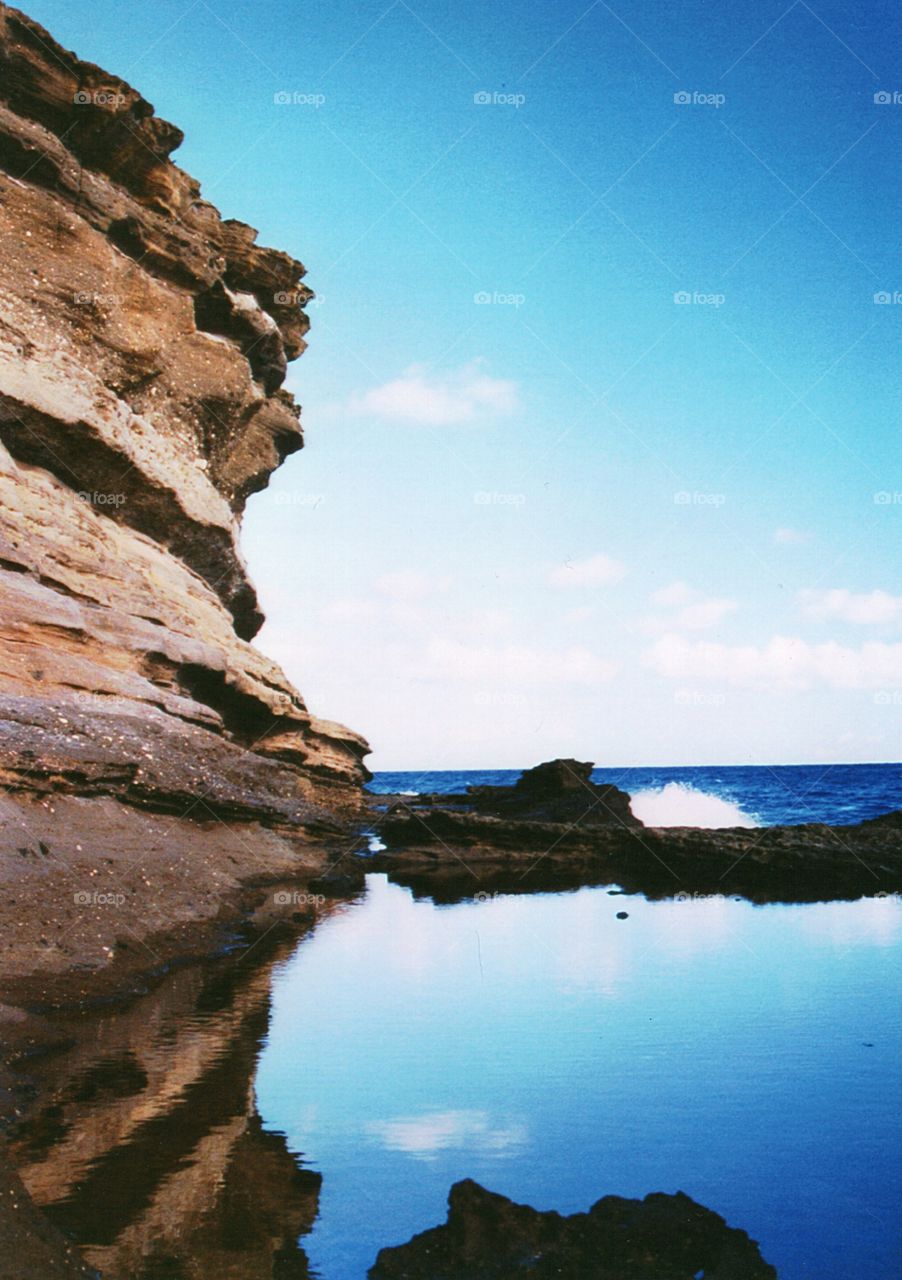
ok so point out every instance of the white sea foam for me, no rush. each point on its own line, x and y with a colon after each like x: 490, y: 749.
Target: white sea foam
x: 678, y: 805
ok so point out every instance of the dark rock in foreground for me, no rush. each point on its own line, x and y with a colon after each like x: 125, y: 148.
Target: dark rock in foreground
x: 488, y: 1237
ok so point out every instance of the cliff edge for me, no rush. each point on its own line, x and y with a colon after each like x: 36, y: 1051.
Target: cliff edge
x: 144, y: 341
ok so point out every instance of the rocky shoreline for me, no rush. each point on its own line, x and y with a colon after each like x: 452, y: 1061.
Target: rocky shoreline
x: 556, y: 829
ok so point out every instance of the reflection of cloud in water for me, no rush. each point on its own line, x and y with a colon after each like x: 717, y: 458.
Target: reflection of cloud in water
x: 425, y: 1135
x: 867, y: 922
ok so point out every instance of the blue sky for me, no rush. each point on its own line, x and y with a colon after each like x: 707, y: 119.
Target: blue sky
x: 602, y: 416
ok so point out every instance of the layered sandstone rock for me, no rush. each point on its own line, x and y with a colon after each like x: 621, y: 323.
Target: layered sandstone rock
x: 143, y: 343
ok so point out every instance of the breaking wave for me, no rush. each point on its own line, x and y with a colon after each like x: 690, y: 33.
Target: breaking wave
x: 677, y: 805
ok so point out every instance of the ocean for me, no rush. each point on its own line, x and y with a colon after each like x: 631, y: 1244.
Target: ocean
x: 710, y: 795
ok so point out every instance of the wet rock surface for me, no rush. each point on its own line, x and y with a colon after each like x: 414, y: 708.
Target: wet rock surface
x: 488, y: 1237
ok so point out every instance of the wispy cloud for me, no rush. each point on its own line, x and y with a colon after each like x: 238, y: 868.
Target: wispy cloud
x: 686, y: 608
x: 785, y: 662
x: 515, y: 664
x: 440, y: 398
x: 863, y: 608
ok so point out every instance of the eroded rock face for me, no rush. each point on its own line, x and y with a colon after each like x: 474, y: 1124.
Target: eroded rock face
x: 143, y: 344
x: 488, y: 1237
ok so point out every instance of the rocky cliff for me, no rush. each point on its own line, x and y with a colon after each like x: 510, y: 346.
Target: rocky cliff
x: 143, y: 345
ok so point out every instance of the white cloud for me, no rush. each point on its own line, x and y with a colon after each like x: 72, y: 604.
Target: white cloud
x: 676, y: 594
x: 442, y: 398
x: 791, y: 537
x: 688, y: 609
x: 784, y: 662
x: 861, y: 608
x: 597, y: 571
x: 705, y: 613
x: 515, y: 664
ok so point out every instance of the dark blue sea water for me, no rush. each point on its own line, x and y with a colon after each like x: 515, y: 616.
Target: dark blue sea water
x: 714, y: 795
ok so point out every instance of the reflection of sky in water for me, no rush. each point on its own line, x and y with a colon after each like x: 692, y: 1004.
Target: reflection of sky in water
x: 425, y: 1135
x: 746, y: 1055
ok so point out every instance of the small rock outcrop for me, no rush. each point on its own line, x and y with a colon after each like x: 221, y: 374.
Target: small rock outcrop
x: 556, y: 791
x: 488, y: 1237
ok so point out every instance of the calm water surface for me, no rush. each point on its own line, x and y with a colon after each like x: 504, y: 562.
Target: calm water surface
x: 749, y: 1056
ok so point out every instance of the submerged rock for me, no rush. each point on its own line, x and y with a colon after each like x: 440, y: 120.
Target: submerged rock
x: 488, y: 1237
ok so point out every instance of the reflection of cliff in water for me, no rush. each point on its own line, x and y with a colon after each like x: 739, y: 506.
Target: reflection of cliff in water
x: 148, y: 1149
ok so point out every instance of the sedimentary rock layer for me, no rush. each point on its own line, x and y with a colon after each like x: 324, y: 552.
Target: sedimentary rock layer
x: 143, y: 344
